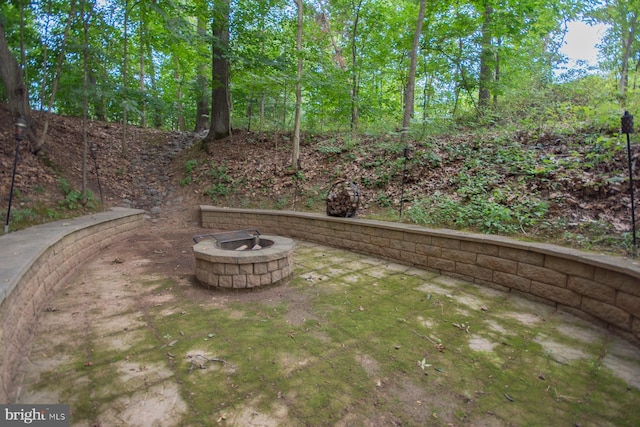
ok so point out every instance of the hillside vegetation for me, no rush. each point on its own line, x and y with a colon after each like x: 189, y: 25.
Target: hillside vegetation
x: 558, y: 174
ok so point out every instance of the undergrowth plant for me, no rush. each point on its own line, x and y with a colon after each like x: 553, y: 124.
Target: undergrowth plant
x: 189, y: 167
x: 73, y: 199
x: 486, y: 213
x: 222, y: 182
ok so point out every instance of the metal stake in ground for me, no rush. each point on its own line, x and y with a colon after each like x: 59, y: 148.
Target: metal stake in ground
x: 407, y: 154
x: 20, y: 126
x: 627, y: 127
x: 94, y: 156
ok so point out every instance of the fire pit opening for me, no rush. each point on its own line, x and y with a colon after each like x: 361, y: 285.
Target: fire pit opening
x: 242, y: 259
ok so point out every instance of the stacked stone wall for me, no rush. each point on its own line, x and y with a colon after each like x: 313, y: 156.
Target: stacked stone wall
x: 36, y: 263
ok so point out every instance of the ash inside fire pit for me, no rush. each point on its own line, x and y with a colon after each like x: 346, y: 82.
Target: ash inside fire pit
x: 253, y: 244
x: 242, y: 259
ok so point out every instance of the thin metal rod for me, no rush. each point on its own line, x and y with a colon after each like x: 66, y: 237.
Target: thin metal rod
x: 95, y: 164
x: 633, y: 210
x: 13, y: 178
x: 404, y: 173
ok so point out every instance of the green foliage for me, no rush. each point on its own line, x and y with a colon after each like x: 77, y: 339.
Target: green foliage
x: 222, y: 181
x: 189, y: 168
x: 73, y: 199
x: 27, y: 215
x: 487, y: 214
x: 363, y: 67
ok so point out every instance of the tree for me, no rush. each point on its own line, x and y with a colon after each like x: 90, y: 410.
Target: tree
x: 622, y: 37
x: 202, y: 101
x: 295, y: 156
x: 220, y: 114
x: 356, y: 6
x: 56, y: 79
x: 85, y: 98
x: 411, y: 81
x: 16, y: 90
x: 486, y: 60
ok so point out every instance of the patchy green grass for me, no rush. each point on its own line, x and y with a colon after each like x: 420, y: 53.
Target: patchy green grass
x: 350, y: 340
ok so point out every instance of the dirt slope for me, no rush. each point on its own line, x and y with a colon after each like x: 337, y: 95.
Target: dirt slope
x: 251, y: 169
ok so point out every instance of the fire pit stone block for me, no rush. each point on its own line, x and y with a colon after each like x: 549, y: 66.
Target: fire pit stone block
x: 223, y: 268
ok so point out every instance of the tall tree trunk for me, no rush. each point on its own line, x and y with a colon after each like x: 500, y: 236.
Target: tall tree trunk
x: 179, y: 106
x: 56, y: 78
x: 411, y: 83
x: 17, y: 95
x: 125, y: 64
x: 142, y: 41
x: 202, y: 85
x: 23, y: 53
x: 486, y: 59
x: 626, y: 53
x: 85, y: 98
x: 295, y: 155
x: 45, y: 52
x: 220, y: 113
x: 496, y: 73
x: 354, y: 69
x: 157, y: 110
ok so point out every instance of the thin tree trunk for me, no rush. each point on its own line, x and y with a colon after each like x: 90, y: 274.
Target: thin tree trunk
x: 354, y: 72
x: 56, y: 79
x: 626, y: 54
x: 179, y: 106
x: 486, y: 58
x: 124, y: 80
x: 23, y: 53
x: 295, y: 156
x: 143, y: 103
x: 325, y: 24
x: 45, y: 52
x: 157, y: 111
x: 496, y: 73
x: 411, y: 83
x: 85, y: 98
x: 202, y: 85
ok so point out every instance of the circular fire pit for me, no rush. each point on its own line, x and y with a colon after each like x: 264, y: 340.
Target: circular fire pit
x: 259, y: 260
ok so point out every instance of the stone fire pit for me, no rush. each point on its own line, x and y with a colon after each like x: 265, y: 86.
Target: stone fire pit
x: 248, y: 261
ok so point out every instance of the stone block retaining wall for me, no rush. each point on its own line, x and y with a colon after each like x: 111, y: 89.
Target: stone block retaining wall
x: 34, y: 263
x: 602, y: 289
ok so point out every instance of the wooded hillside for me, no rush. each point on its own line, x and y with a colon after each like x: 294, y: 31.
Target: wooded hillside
x: 287, y: 97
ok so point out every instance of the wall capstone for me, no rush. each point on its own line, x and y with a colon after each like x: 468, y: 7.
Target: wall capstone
x: 34, y: 263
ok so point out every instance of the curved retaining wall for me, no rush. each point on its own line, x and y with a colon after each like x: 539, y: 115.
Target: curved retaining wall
x: 602, y: 289
x: 34, y: 263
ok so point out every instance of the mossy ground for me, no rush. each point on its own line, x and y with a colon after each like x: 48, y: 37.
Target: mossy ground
x: 350, y: 340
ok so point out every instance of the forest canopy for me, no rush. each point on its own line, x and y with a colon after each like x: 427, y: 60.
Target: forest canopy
x: 149, y: 62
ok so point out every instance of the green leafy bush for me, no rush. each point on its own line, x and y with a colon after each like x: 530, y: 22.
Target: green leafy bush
x: 189, y: 167
x: 73, y: 199
x: 487, y: 214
